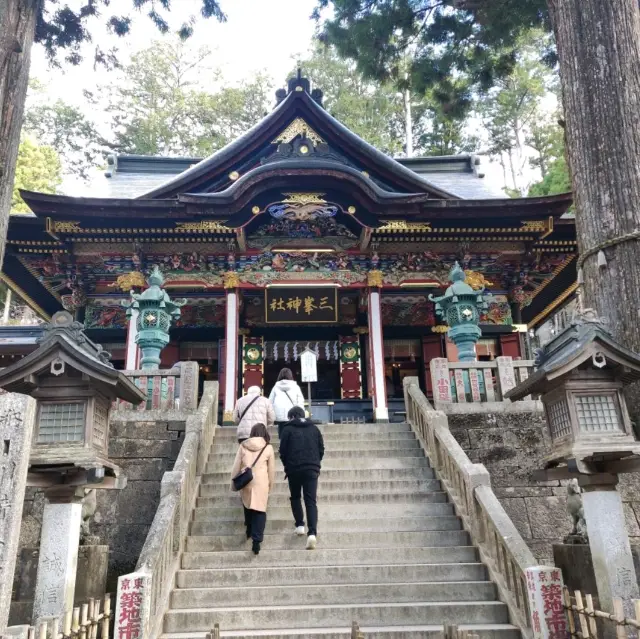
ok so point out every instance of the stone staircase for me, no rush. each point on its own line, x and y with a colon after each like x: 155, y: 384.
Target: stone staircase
x: 391, y: 553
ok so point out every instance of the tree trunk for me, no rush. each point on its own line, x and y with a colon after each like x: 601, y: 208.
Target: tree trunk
x: 599, y: 49
x: 17, y: 29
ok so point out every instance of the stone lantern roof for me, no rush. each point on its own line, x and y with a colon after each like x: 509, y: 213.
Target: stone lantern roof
x: 64, y: 341
x: 585, y: 340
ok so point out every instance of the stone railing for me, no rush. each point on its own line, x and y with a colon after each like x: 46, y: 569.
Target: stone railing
x: 476, y: 382
x: 143, y: 596
x: 512, y: 566
x: 173, y: 389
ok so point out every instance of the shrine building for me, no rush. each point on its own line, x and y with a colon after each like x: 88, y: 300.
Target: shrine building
x: 298, y: 234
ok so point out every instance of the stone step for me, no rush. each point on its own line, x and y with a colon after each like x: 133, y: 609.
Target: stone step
x: 334, y: 454
x: 355, y: 525
x: 483, y: 631
x: 345, y: 474
x: 323, y: 594
x: 326, y: 488
x: 336, y: 444
x: 330, y: 574
x: 215, y: 541
x: 281, y: 498
x: 322, y: 556
x: 326, y: 616
x: 337, y: 462
x: 333, y: 429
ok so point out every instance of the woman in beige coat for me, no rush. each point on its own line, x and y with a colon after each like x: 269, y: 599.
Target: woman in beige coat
x: 255, y: 495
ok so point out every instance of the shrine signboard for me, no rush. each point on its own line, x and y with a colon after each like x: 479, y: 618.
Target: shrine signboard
x: 297, y: 305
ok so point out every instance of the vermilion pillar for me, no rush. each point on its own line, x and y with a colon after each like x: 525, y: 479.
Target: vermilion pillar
x: 376, y: 349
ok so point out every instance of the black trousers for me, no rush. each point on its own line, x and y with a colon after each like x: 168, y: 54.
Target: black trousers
x: 255, y: 521
x: 280, y: 426
x: 305, y: 481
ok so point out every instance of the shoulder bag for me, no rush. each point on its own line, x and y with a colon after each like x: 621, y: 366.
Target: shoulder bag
x: 245, y: 477
x: 246, y: 410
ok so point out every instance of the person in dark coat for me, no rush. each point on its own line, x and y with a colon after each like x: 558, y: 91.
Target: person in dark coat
x: 301, y: 452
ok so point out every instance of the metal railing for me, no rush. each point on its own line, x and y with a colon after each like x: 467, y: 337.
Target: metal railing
x: 159, y: 558
x: 501, y: 547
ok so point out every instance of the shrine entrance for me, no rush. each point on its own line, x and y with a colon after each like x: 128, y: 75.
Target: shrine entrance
x: 281, y: 354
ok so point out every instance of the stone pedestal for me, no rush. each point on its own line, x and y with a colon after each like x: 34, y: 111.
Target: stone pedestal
x: 57, y: 565
x: 610, y: 549
x: 574, y: 560
x: 91, y: 579
x: 17, y: 418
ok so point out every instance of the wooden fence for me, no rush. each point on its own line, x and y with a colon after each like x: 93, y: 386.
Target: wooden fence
x: 88, y: 621
x: 585, y: 622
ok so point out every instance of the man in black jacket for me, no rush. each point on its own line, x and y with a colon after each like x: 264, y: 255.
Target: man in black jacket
x: 301, y: 451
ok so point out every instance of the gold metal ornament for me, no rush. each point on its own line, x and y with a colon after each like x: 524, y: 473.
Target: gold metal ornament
x: 477, y: 280
x: 374, y: 279
x: 230, y: 279
x: 126, y: 282
x: 298, y: 128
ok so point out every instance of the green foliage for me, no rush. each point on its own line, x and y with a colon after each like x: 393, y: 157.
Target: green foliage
x: 455, y: 47
x: 557, y: 179
x: 38, y: 169
x: 64, y: 28
x: 514, y: 114
x: 376, y: 111
x: 158, y: 106
x: 66, y: 129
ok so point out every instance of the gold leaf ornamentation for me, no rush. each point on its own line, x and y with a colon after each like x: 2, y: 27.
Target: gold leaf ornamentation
x: 203, y: 225
x: 374, y: 279
x: 401, y: 226
x: 296, y: 128
x: 476, y: 280
x: 230, y: 279
x: 303, y: 198
x: 126, y: 282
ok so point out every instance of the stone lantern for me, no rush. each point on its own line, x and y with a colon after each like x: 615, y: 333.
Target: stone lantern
x: 155, y: 312
x: 581, y: 374
x: 74, y: 385
x: 460, y: 308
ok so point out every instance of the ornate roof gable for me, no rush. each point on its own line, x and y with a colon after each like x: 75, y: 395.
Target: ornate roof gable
x: 298, y: 132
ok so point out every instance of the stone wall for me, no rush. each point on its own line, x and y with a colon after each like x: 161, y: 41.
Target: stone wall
x: 144, y: 449
x: 511, y: 446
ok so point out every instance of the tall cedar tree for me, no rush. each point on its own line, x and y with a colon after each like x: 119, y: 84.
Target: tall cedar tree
x: 598, y: 48
x: 61, y: 30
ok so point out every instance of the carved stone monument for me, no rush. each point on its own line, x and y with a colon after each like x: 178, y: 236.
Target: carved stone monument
x: 17, y: 417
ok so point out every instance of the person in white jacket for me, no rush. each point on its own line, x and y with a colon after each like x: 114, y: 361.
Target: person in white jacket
x: 285, y: 394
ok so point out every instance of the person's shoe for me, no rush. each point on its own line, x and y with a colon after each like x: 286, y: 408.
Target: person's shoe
x: 256, y: 547
x: 300, y: 531
x: 311, y: 542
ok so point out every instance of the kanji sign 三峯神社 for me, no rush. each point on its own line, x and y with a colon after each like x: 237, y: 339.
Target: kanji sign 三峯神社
x: 301, y: 306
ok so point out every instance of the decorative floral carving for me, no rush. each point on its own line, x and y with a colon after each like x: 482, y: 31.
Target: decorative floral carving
x: 296, y: 128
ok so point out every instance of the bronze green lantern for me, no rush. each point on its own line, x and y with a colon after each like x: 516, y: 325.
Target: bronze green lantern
x: 156, y: 312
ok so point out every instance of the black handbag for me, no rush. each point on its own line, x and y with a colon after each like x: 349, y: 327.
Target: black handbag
x: 245, y: 477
